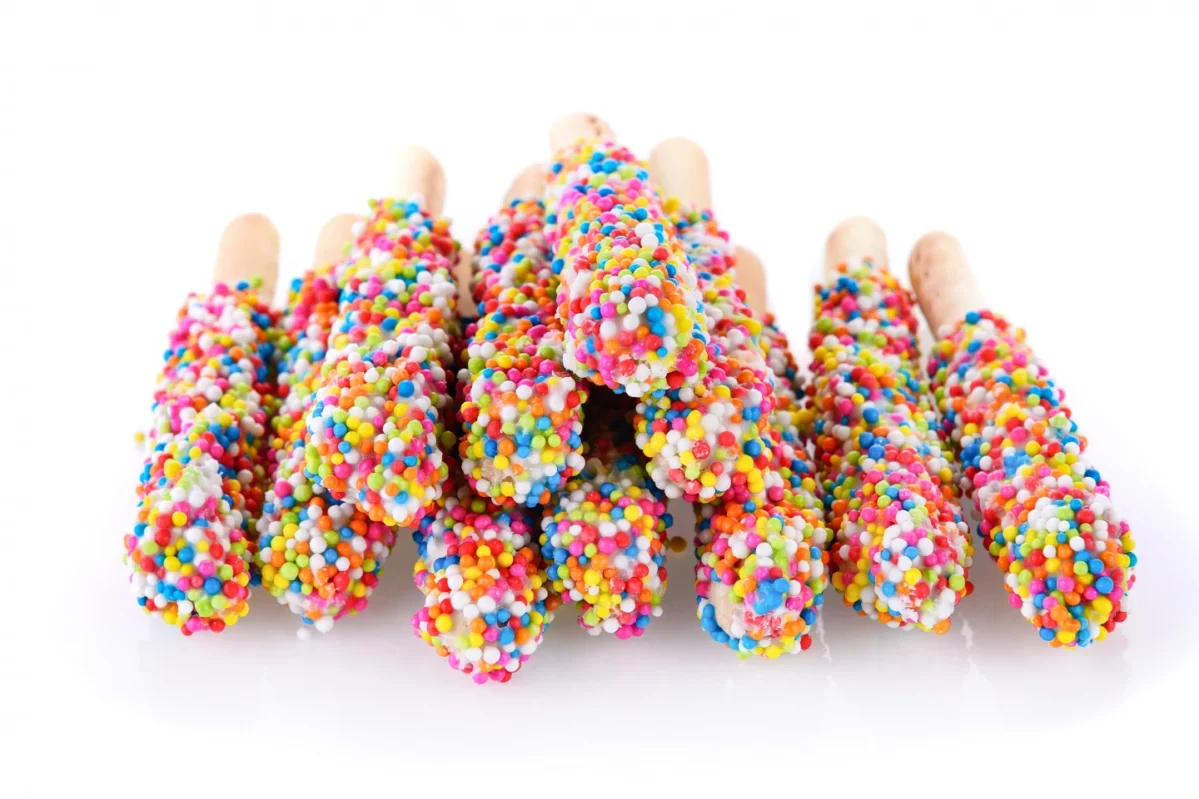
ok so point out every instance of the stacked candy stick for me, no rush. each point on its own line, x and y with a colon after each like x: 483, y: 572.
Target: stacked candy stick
x: 635, y: 318
x: 627, y: 299
x: 319, y: 556
x: 523, y: 412
x: 603, y: 530
x: 799, y: 486
x: 191, y: 547
x: 376, y: 415
x: 761, y: 560
x: 604, y: 539
x: 486, y: 597
x: 901, y: 549
x: 1046, y: 514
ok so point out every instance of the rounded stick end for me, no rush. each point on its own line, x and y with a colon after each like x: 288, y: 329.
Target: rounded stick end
x: 529, y: 183
x: 751, y: 277
x: 855, y: 240
x: 249, y: 248
x: 680, y: 168
x: 419, y: 174
x: 941, y: 277
x: 572, y: 127
x: 335, y: 236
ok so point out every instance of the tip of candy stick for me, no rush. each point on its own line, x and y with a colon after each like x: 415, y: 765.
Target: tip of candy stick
x: 419, y: 174
x: 751, y: 277
x: 853, y: 241
x: 572, y: 127
x: 529, y: 183
x: 249, y: 248
x: 680, y: 168
x: 941, y: 277
x: 335, y: 236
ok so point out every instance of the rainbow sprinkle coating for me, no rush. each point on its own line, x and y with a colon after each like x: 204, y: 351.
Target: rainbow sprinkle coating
x: 319, y: 556
x: 375, y: 420
x: 603, y: 540
x: 190, y: 550
x: 760, y: 576
x: 1047, y: 516
x: 711, y: 440
x: 628, y: 300
x: 487, y: 601
x: 762, y: 565
x: 523, y: 412
x: 901, y: 549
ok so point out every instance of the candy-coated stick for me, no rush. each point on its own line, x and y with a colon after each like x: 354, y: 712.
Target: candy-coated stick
x: 761, y: 571
x: 319, y: 556
x: 901, y: 550
x: 375, y: 420
x: 523, y: 412
x: 711, y: 440
x: 201, y: 486
x: 1046, y: 514
x: 603, y: 540
x: 630, y: 310
x: 487, y: 602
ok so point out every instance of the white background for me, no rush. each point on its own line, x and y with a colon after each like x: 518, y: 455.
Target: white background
x: 1057, y: 141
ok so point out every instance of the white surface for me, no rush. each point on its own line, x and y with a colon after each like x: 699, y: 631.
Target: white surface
x: 1057, y: 142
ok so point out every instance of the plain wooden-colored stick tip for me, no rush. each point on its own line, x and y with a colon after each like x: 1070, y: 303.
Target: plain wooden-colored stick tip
x: 419, y: 174
x: 249, y: 248
x: 572, y: 127
x: 751, y: 277
x: 464, y: 272
x: 680, y: 168
x: 856, y: 239
x: 529, y: 183
x: 336, y: 235
x: 941, y: 277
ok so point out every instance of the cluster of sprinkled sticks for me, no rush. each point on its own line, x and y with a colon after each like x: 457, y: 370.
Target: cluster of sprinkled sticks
x: 376, y: 415
x: 901, y: 549
x: 523, y: 412
x: 628, y: 299
x: 1047, y: 516
x: 201, y: 486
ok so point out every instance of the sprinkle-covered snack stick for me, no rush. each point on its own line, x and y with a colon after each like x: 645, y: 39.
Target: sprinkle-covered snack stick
x: 523, y: 411
x: 376, y: 417
x: 487, y: 599
x: 709, y: 440
x: 632, y: 316
x: 1046, y: 514
x: 603, y: 539
x: 901, y: 549
x: 201, y: 487
x: 760, y: 548
x: 319, y: 556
